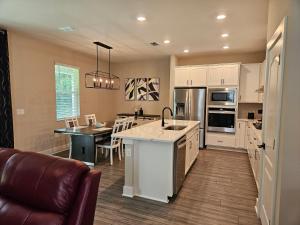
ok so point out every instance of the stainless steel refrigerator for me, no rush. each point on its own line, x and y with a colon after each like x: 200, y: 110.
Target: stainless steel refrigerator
x: 189, y: 104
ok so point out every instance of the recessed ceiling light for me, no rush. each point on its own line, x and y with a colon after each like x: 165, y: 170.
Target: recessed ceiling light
x: 225, y: 35
x: 221, y: 17
x: 186, y: 51
x: 141, y: 18
x: 226, y: 47
x: 66, y: 29
x: 167, y: 41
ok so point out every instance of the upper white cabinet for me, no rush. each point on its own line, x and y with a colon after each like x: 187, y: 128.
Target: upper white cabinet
x: 223, y: 75
x: 198, y: 76
x: 249, y: 83
x: 193, y: 76
x: 262, y: 81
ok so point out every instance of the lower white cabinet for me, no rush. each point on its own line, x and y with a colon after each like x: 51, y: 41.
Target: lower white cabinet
x: 240, y: 139
x: 220, y: 139
x: 192, y: 148
x: 254, y: 152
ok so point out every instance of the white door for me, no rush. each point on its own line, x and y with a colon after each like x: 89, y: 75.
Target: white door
x: 271, y: 121
x: 182, y: 77
x: 198, y: 76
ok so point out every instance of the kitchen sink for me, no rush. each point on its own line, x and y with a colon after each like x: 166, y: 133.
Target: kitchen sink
x: 175, y: 127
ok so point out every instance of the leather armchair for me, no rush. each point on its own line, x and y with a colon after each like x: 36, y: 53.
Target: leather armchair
x: 37, y: 189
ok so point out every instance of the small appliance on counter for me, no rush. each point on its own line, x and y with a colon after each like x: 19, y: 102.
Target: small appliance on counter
x: 251, y: 115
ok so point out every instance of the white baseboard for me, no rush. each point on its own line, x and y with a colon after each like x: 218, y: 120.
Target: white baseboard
x: 55, y: 149
x: 226, y: 149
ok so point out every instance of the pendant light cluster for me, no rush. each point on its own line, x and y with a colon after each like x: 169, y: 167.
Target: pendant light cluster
x: 100, y: 79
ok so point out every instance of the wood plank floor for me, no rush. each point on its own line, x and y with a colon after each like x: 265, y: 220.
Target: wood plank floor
x: 219, y: 190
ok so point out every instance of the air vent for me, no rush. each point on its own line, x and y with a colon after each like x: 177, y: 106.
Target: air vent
x: 154, y: 44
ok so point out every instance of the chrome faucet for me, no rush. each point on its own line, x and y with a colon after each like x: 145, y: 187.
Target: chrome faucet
x: 163, y: 115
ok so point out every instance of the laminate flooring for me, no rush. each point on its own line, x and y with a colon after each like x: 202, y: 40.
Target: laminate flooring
x: 218, y: 190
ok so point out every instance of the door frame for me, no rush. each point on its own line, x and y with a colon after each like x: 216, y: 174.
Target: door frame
x: 280, y: 32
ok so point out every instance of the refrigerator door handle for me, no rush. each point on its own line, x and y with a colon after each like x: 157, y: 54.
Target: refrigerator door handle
x: 186, y: 105
x: 190, y: 103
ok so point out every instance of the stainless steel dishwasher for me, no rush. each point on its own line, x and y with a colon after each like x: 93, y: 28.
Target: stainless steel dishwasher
x: 179, y: 164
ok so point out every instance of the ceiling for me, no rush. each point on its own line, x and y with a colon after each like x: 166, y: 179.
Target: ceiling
x: 188, y: 24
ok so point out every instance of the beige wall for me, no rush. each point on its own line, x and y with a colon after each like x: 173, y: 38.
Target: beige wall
x: 250, y: 57
x: 142, y: 69
x: 33, y: 89
x: 289, y: 152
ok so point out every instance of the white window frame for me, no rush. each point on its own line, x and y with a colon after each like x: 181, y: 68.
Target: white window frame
x: 79, y: 109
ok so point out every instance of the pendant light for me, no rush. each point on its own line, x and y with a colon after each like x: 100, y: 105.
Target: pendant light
x: 100, y: 79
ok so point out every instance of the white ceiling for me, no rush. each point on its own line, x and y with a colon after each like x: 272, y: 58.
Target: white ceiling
x: 187, y: 23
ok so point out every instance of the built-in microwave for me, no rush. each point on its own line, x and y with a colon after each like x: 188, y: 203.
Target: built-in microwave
x: 222, y: 96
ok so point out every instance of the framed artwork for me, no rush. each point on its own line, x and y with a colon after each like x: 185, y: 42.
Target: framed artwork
x: 153, y: 89
x: 141, y: 89
x: 130, y: 89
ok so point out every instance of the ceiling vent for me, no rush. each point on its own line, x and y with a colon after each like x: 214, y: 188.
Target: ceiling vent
x: 154, y: 44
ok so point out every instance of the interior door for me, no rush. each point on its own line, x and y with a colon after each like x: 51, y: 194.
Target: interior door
x: 271, y: 116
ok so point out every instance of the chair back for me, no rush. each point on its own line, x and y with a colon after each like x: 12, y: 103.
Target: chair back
x: 71, y: 122
x: 129, y: 123
x: 90, y: 119
x: 118, y: 127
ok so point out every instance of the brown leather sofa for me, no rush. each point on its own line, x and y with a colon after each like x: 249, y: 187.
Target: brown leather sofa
x: 37, y: 189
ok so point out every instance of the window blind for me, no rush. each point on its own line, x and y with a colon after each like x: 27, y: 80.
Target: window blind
x: 67, y: 92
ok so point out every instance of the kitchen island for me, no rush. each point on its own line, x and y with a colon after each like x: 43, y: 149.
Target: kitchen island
x: 149, y: 157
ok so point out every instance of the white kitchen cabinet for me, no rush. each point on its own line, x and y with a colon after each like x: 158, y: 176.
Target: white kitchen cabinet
x: 220, y: 139
x: 254, y: 152
x: 182, y: 76
x: 192, y: 148
x: 262, y: 81
x: 223, y: 75
x: 240, y: 134
x: 249, y: 83
x: 198, y: 76
x: 190, y: 76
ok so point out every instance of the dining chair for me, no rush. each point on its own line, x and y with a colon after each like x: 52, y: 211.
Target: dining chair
x: 70, y: 123
x: 113, y: 143
x: 128, y: 124
x: 90, y: 119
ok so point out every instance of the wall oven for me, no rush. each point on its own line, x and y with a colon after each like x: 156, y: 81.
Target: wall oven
x: 221, y: 120
x: 222, y: 96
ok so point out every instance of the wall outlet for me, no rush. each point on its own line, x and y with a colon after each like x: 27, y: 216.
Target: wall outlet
x: 20, y: 111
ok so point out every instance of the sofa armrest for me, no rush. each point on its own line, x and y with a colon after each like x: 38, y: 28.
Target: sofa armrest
x: 83, y: 211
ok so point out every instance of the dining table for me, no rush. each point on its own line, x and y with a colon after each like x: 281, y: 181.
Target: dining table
x: 83, y: 141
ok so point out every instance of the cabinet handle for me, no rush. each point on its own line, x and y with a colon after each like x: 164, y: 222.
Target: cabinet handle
x: 239, y: 125
x: 220, y: 141
x: 191, y: 82
x: 255, y: 154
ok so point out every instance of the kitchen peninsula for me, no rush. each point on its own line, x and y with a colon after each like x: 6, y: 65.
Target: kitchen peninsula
x: 157, y: 158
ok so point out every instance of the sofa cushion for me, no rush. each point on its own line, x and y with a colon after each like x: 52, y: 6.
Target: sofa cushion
x: 42, y: 182
x: 12, y: 213
x: 5, y: 154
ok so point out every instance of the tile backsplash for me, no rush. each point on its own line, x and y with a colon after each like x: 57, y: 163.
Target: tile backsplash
x: 244, y: 108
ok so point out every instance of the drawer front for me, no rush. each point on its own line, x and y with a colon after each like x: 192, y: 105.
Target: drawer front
x: 220, y: 140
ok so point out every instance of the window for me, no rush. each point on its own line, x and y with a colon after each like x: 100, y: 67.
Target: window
x: 67, y: 92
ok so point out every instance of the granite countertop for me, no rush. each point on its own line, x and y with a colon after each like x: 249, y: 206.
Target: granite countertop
x: 154, y: 132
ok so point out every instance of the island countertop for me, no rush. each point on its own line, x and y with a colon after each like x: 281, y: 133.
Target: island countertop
x: 155, y: 132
